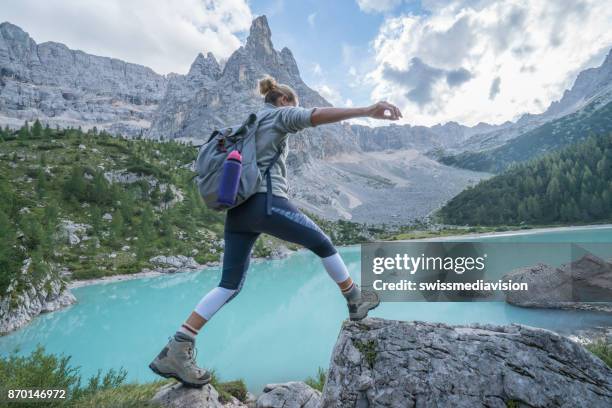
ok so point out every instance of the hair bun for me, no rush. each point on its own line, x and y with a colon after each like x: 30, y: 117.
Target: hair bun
x: 266, y: 84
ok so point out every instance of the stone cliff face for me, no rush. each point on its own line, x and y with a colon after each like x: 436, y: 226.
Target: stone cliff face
x: 67, y: 87
x: 20, y: 305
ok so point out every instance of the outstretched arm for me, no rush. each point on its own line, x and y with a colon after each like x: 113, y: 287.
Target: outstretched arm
x: 380, y: 110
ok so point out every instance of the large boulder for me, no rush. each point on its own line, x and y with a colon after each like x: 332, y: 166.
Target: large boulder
x: 570, y: 286
x: 294, y: 394
x: 390, y: 363
x: 547, y: 285
x: 592, y: 278
x: 177, y: 396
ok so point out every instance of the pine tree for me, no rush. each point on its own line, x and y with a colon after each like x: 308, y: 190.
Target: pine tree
x: 117, y: 230
x: 41, y: 184
x: 9, y: 258
x: 37, y: 130
x: 47, y: 132
x: 24, y: 132
x: 95, y: 219
x: 75, y: 186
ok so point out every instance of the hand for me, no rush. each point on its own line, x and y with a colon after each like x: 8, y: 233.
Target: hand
x: 384, y: 110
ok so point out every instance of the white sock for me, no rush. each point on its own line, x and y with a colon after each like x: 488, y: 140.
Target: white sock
x: 188, y: 331
x: 335, y: 267
x: 213, y: 301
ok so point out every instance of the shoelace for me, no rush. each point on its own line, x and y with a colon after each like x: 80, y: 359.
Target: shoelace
x: 192, y: 352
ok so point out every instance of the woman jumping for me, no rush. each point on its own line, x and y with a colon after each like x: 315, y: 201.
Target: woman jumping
x: 279, y: 116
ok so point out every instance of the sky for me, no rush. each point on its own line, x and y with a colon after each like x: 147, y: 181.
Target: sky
x: 467, y: 61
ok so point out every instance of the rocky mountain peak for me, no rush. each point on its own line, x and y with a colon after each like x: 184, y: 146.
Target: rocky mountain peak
x: 289, y: 62
x: 205, y: 66
x: 9, y: 28
x: 260, y: 36
x: 589, y: 84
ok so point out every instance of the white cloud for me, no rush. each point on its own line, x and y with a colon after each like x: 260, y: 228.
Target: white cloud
x: 330, y: 93
x: 165, y: 35
x: 311, y: 19
x: 377, y: 6
x: 316, y: 69
x: 477, y: 60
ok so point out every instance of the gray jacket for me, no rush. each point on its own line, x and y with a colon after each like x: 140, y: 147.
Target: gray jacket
x: 274, y: 124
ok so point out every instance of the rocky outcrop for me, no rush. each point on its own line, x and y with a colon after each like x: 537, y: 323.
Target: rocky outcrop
x: 571, y: 286
x: 67, y: 87
x: 73, y: 233
x: 24, y: 300
x: 389, y: 363
x: 174, y: 263
x: 294, y: 394
x: 177, y: 396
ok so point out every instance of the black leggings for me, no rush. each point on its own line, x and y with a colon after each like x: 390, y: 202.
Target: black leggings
x: 243, y: 224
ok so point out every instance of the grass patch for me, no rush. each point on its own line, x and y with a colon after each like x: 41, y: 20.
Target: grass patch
x: 41, y: 370
x: 368, y: 350
x: 229, y: 389
x: 602, y: 350
x: 318, y: 381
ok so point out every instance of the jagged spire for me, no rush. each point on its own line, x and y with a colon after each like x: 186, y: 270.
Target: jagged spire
x: 260, y: 36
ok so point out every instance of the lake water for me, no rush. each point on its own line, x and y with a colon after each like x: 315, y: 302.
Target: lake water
x: 282, y: 326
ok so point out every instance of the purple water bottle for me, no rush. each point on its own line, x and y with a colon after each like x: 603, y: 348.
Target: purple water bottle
x: 230, y: 179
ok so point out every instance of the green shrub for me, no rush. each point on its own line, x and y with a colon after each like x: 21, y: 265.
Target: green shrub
x: 368, y: 350
x: 48, y: 371
x: 236, y: 388
x: 602, y: 350
x: 228, y: 389
x: 318, y: 381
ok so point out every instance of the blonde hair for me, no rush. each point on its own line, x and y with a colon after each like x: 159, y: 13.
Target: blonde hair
x: 271, y: 90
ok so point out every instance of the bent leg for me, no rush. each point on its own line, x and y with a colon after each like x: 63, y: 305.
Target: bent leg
x: 236, y: 259
x: 290, y: 224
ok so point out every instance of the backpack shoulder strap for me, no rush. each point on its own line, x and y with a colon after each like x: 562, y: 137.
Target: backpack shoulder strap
x: 269, y: 180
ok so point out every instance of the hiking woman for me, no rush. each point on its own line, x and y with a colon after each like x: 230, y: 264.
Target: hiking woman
x: 279, y: 116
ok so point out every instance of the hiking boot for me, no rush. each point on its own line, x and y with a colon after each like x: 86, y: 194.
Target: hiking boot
x: 360, y: 305
x: 177, y: 360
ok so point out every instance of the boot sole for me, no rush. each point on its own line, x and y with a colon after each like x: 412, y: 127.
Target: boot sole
x: 176, y: 377
x: 356, y: 319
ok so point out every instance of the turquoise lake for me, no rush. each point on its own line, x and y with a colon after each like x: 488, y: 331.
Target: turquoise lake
x: 281, y: 327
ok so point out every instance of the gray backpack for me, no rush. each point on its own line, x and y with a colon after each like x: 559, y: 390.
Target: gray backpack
x: 212, y: 155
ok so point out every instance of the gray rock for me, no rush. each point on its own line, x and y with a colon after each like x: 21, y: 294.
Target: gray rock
x: 73, y: 232
x: 279, y: 251
x: 571, y: 286
x: 592, y: 278
x: 546, y: 284
x: 294, y: 394
x: 177, y: 396
x: 389, y: 363
x: 19, y: 306
x: 175, y: 262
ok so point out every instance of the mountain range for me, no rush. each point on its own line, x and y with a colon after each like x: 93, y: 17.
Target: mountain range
x: 338, y: 171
